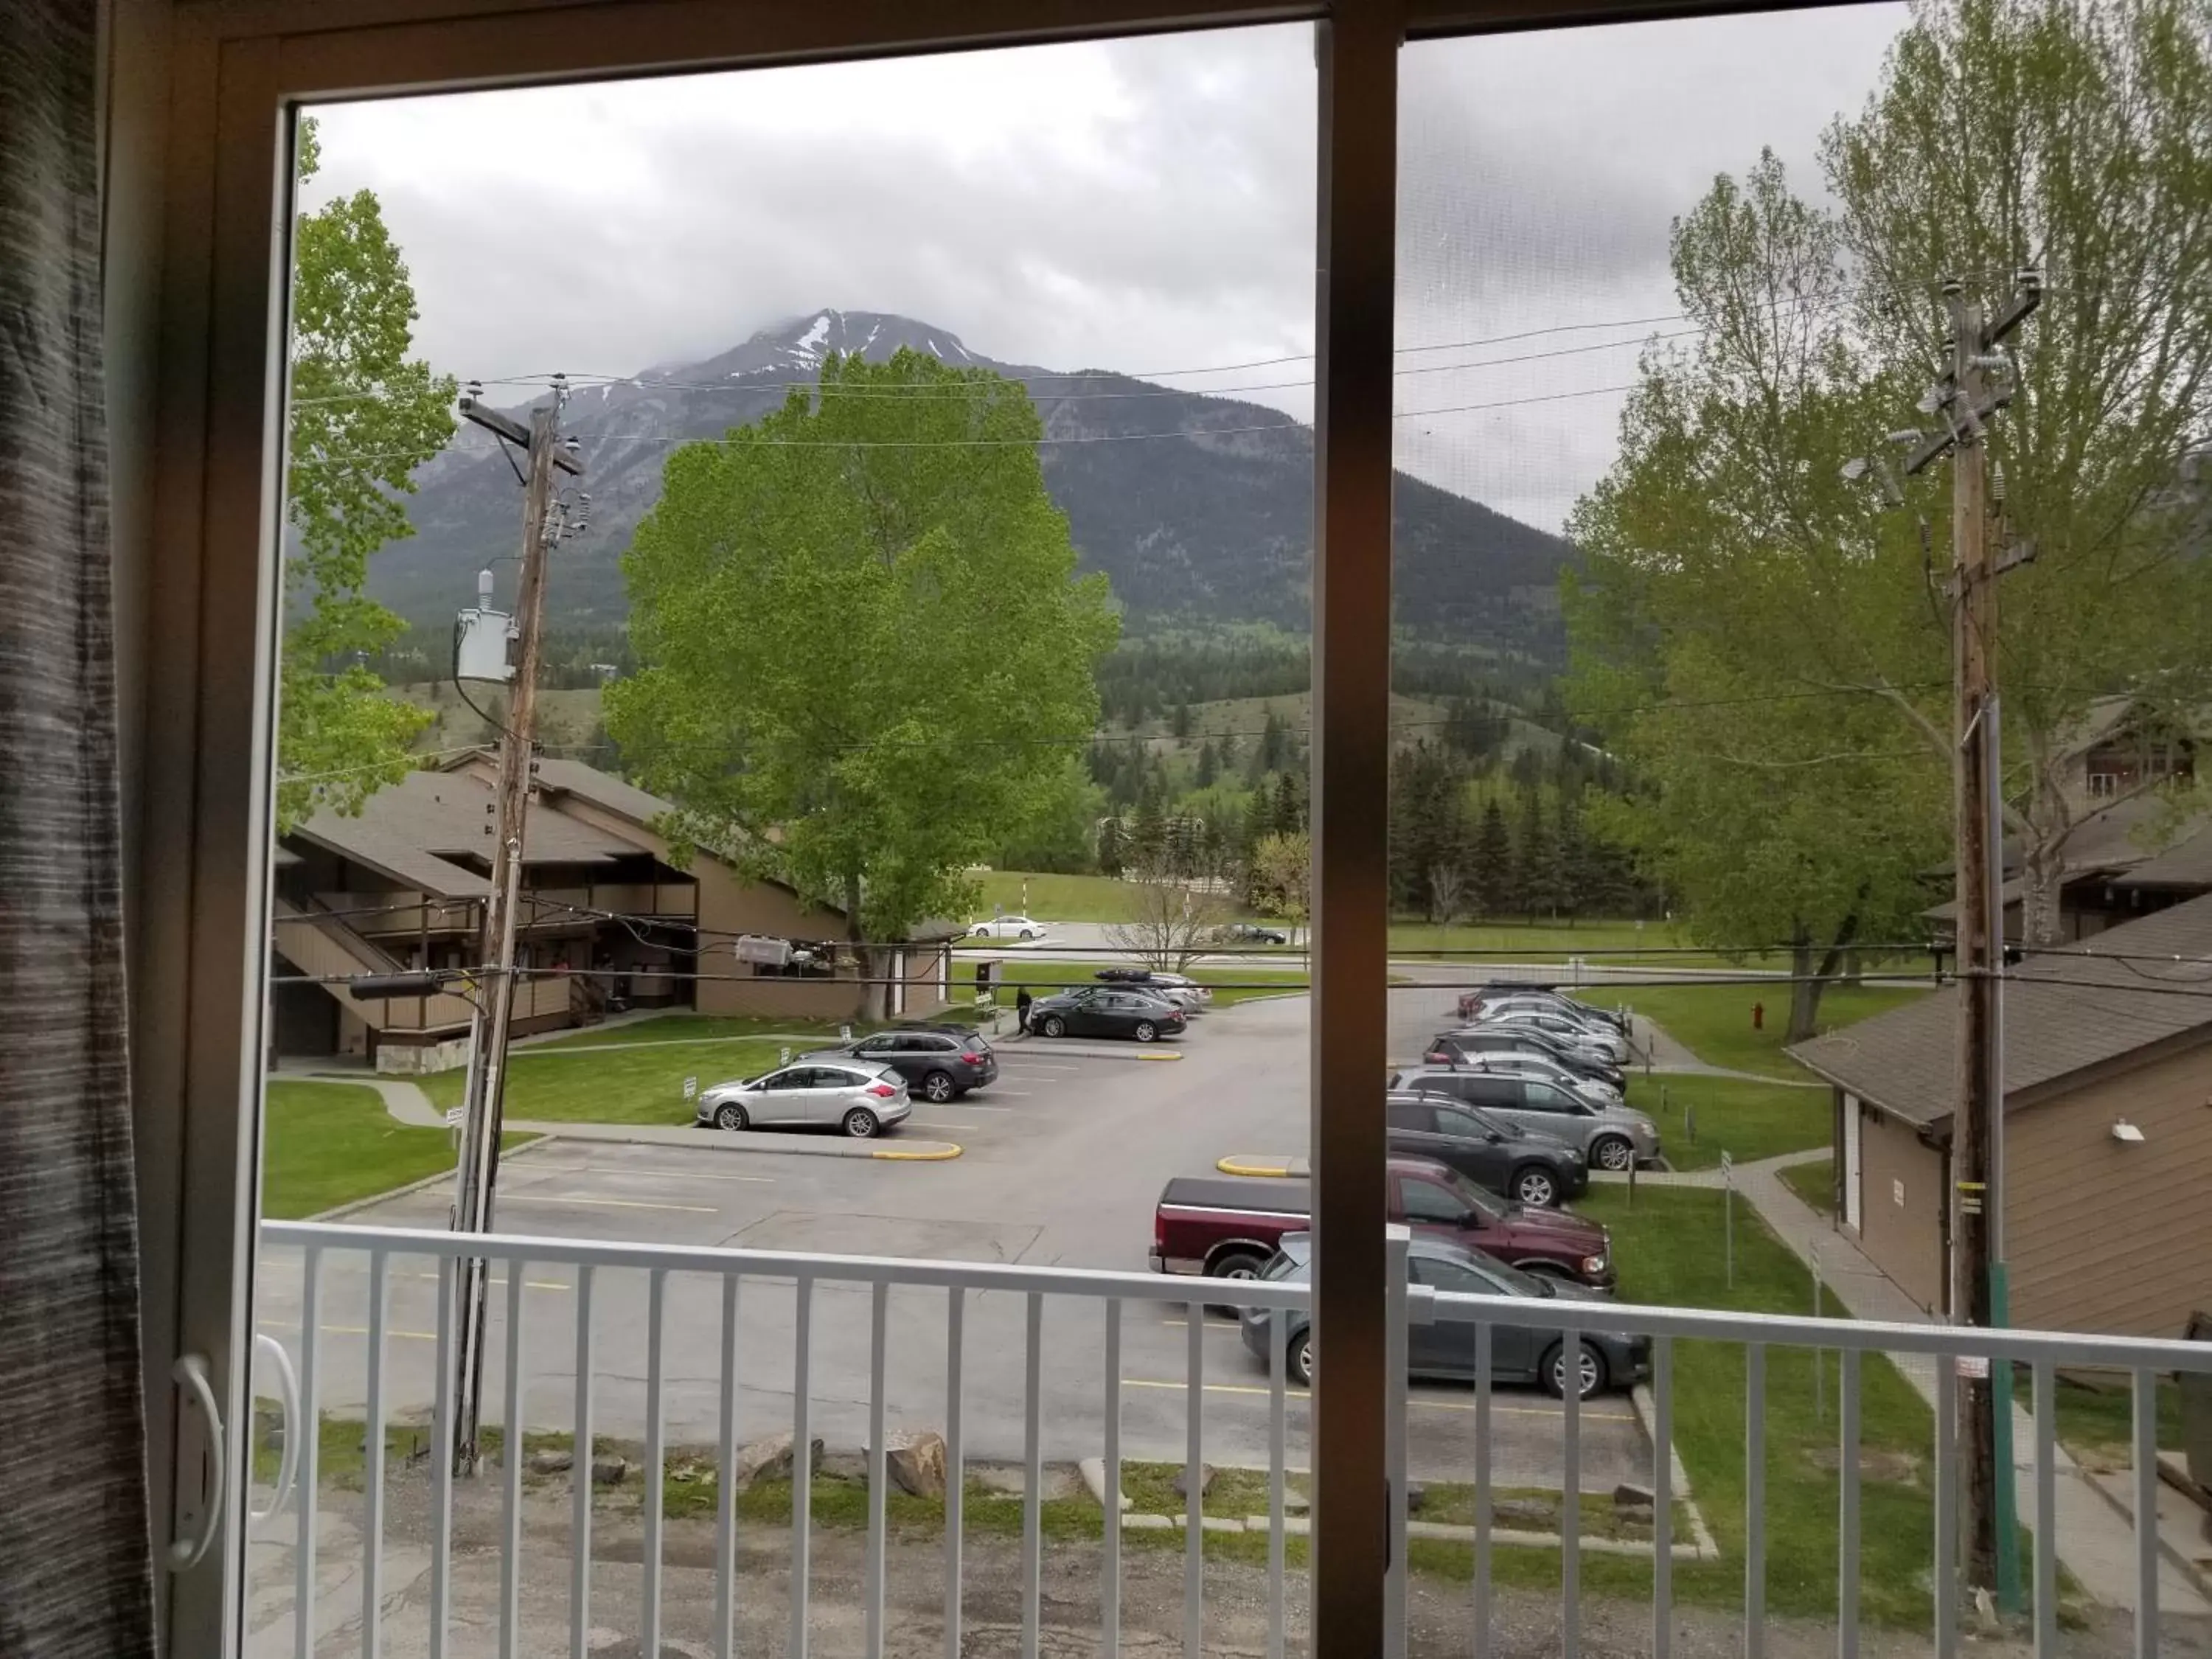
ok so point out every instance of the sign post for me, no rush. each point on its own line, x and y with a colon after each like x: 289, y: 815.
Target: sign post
x: 1728, y: 1214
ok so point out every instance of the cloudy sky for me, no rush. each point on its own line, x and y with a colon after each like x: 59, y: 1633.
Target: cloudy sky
x: 1142, y: 205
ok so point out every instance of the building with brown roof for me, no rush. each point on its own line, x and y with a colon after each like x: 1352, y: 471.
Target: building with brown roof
x: 2107, y: 1123
x: 609, y: 922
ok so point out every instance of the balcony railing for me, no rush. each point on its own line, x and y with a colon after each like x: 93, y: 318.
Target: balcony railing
x: 999, y: 1312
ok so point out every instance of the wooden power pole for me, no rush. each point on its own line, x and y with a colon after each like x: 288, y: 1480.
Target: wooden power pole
x: 483, y: 1104
x: 1979, y: 384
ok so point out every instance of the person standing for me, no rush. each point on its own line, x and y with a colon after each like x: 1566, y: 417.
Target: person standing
x: 1022, y: 1000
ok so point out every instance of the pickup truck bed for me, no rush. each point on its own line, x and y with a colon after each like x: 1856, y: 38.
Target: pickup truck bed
x: 1226, y: 1227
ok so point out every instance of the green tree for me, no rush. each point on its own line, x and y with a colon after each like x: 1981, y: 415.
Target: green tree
x: 1282, y: 878
x: 362, y: 416
x: 1535, y: 860
x: 1727, y: 558
x: 1208, y: 766
x: 1492, y: 859
x: 776, y: 589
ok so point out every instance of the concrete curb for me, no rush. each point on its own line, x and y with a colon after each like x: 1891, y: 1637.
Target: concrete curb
x: 1261, y: 1164
x: 1701, y: 1546
x: 2191, y: 1572
x: 755, y: 1142
x: 1079, y: 1050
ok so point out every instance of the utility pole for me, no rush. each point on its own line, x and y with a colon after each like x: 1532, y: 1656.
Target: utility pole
x: 543, y: 517
x: 1980, y: 383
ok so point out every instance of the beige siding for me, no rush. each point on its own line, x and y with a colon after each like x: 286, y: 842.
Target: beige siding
x: 2111, y: 1236
x: 1905, y: 1240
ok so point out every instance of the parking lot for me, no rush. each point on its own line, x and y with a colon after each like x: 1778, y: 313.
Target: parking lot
x: 1063, y: 1160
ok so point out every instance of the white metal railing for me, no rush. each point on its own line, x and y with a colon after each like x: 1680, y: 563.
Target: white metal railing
x: 322, y: 1246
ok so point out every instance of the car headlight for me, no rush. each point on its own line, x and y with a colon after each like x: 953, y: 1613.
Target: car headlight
x: 1593, y: 1265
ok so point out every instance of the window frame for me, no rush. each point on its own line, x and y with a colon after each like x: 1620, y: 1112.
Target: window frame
x: 197, y: 134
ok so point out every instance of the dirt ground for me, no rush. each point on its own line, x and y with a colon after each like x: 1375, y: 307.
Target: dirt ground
x: 1526, y: 1623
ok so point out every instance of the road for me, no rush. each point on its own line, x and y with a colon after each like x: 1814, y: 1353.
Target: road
x: 1064, y: 1159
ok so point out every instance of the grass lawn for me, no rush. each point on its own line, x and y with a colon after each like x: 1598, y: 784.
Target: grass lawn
x: 2096, y: 1414
x: 1053, y: 898
x: 1714, y: 1021
x: 1669, y: 1250
x: 628, y: 1086
x: 1814, y: 1183
x: 683, y: 1028
x: 1701, y: 1117
x: 1516, y: 941
x: 327, y: 1143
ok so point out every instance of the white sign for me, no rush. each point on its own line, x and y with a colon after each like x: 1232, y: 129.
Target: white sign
x: 786, y: 1060
x: 690, y: 1088
x: 844, y: 1034
x: 1974, y: 1366
x: 455, y: 1116
x: 1728, y: 1164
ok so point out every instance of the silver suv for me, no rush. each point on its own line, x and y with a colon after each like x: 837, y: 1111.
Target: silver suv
x: 1611, y: 1137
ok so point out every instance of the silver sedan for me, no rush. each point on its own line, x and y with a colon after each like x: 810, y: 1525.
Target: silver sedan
x: 860, y: 1099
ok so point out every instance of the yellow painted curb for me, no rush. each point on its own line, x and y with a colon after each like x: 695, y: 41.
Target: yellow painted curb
x: 885, y: 1153
x: 1155, y: 1054
x: 1236, y: 1166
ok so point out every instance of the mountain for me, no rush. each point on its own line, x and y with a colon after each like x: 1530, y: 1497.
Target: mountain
x: 1217, y: 527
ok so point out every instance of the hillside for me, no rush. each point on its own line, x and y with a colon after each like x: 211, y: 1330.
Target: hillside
x: 1216, y: 527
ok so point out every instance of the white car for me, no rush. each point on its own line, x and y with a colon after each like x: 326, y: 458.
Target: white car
x: 859, y: 1096
x: 1007, y: 927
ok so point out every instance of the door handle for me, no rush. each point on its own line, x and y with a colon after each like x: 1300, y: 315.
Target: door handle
x: 288, y: 1462
x: 190, y: 1372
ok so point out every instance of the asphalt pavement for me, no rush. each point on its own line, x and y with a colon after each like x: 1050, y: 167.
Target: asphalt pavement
x: 1063, y: 1160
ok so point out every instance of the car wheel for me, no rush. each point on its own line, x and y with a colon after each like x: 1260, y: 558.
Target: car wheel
x: 1028, y: 933
x: 1145, y: 1030
x: 860, y: 1123
x: 1299, y: 1360
x: 730, y: 1116
x: 1612, y: 1152
x: 1535, y: 1187
x: 938, y: 1086
x: 1055, y: 1026
x: 1552, y: 1373
x: 1236, y: 1265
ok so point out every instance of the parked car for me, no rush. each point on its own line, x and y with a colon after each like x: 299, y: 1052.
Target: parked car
x: 1445, y: 1348
x: 856, y: 1095
x: 1106, y: 1011
x: 1227, y: 1227
x: 1610, y: 1137
x: 1529, y: 1169
x: 1007, y: 927
x: 1184, y: 991
x: 1529, y: 1062
x: 1470, y: 1002
x: 1451, y: 1047
x: 1590, y: 1037
x: 1249, y: 933
x: 939, y: 1064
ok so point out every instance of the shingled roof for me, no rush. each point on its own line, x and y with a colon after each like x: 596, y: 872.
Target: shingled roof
x: 2064, y: 1013
x: 416, y: 831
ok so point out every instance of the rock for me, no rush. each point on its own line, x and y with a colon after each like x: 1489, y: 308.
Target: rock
x: 1629, y: 1496
x: 1147, y: 1522
x: 550, y: 1462
x: 609, y: 1470
x: 916, y: 1463
x: 1204, y: 1481
x: 1525, y: 1514
x: 1295, y: 1502
x: 1416, y: 1495
x: 769, y: 1459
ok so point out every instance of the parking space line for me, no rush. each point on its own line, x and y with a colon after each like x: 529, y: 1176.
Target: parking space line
x: 608, y: 1203
x: 626, y: 1169
x: 1431, y: 1404
x: 362, y: 1268
x: 350, y: 1330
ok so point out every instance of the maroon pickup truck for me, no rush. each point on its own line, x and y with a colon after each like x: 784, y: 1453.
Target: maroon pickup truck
x: 1226, y: 1227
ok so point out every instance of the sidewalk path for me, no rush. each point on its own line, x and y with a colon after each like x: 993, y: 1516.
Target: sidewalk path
x: 2096, y: 1540
x: 410, y: 1105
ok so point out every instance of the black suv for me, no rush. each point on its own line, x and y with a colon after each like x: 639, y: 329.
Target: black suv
x: 940, y: 1063
x: 1528, y: 1168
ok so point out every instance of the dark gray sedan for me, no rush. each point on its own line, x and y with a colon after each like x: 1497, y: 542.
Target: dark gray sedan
x: 1518, y: 1353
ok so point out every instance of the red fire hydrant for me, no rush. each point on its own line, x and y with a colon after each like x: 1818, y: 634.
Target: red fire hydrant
x: 1758, y: 1016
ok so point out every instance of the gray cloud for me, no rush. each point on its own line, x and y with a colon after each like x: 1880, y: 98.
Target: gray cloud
x: 1141, y: 205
